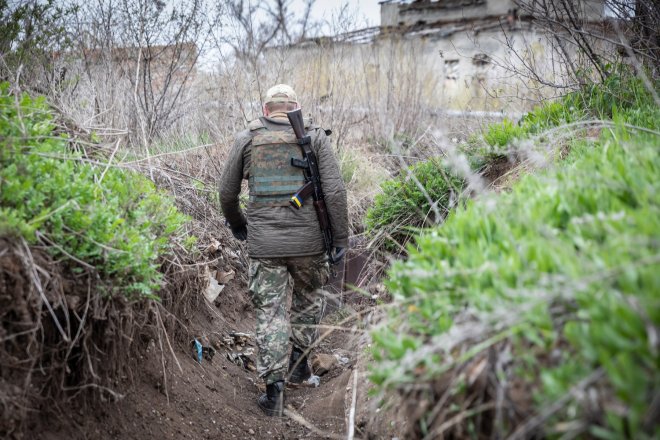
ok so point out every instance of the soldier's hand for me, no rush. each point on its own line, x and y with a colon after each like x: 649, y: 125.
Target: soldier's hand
x: 240, y: 233
x: 338, y: 254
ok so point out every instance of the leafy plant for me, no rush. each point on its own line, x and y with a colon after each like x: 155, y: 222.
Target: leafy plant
x: 30, y: 34
x: 500, y: 135
x: 420, y: 195
x: 566, y: 261
x: 499, y: 140
x: 620, y: 91
x: 109, y: 218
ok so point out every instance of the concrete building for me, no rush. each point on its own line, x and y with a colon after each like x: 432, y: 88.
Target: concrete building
x: 429, y: 59
x: 401, y: 13
x: 479, y: 47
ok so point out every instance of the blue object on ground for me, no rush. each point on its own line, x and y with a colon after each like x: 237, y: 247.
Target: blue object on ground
x: 198, y: 350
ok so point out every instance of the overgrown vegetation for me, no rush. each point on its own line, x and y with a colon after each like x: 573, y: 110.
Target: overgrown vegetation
x: 30, y: 33
x: 498, y: 139
x: 549, y: 291
x: 112, y: 219
x: 421, y: 195
x: 410, y: 200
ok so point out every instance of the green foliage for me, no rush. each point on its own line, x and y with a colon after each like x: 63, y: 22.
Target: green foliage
x: 420, y: 195
x: 552, y: 114
x: 499, y: 140
x: 112, y: 219
x: 30, y: 32
x: 569, y: 256
x: 402, y: 206
x: 500, y: 135
x: 621, y: 91
x: 622, y: 96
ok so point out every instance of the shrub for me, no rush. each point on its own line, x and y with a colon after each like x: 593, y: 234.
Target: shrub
x: 402, y: 207
x: 620, y: 91
x: 420, y: 195
x: 565, y: 267
x: 500, y: 135
x: 112, y: 219
x: 550, y: 115
x: 621, y: 96
x: 499, y: 140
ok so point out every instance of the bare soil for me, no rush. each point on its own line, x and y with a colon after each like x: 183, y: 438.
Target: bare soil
x: 171, y: 395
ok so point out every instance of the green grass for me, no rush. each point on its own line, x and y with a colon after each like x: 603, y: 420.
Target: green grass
x: 570, y: 255
x: 402, y: 207
x: 420, y: 195
x: 112, y: 219
x: 500, y: 141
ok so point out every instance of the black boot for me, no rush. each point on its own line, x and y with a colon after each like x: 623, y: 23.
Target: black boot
x: 299, y: 370
x: 272, y: 403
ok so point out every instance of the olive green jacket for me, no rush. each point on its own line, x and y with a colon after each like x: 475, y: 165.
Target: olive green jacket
x: 283, y: 231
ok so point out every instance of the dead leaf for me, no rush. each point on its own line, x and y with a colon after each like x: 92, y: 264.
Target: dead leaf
x: 224, y: 277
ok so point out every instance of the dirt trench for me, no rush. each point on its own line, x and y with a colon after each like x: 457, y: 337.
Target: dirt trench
x: 171, y: 395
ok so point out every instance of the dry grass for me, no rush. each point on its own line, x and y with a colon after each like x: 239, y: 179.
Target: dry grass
x: 65, y: 342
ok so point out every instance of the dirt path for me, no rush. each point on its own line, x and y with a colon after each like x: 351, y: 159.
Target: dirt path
x: 216, y: 399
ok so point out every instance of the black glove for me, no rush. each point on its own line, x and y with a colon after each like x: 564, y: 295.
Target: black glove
x: 338, y: 254
x: 240, y: 233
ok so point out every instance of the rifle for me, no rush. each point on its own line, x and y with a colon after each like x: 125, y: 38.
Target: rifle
x: 312, y: 184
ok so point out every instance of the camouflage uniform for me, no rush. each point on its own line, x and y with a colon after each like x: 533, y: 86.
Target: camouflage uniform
x: 274, y: 284
x: 288, y: 265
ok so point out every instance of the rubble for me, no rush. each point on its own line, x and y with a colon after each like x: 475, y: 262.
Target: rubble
x: 217, y: 280
x: 223, y: 277
x: 312, y: 381
x: 243, y: 359
x: 239, y: 348
x: 322, y: 363
x: 343, y: 360
x: 213, y: 247
x: 213, y: 290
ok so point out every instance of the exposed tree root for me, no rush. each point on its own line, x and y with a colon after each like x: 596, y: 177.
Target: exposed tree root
x: 64, y: 342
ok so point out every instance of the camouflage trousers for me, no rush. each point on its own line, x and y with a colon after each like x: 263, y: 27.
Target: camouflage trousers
x: 289, y: 300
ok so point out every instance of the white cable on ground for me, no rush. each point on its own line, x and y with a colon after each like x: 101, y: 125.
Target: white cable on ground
x: 351, y: 414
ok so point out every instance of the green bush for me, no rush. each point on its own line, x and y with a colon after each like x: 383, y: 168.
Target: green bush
x: 30, y: 33
x: 402, y: 206
x: 570, y: 255
x: 621, y: 91
x: 412, y: 199
x: 499, y: 140
x: 622, y: 97
x: 552, y: 114
x: 116, y: 221
x: 500, y: 135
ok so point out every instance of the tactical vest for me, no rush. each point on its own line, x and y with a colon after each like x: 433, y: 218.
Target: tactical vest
x: 273, y: 180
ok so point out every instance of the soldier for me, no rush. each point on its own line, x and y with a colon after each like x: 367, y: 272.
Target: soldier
x: 288, y: 263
